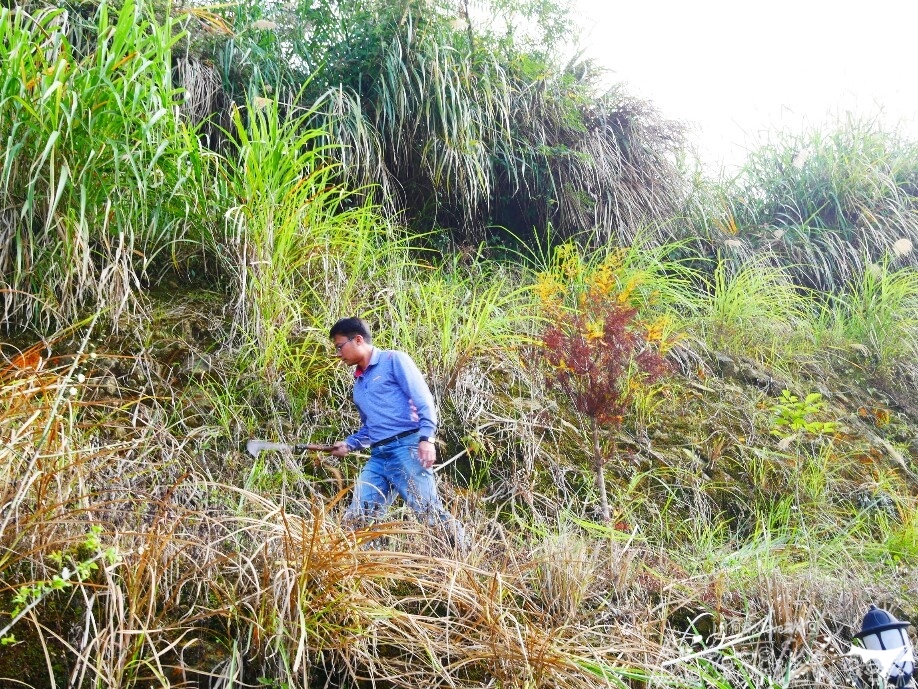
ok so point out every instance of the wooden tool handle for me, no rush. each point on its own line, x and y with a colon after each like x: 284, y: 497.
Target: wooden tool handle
x: 313, y: 447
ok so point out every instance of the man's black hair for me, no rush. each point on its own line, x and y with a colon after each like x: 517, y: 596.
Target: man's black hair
x: 351, y: 327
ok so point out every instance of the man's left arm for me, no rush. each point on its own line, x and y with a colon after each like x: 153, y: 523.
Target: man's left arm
x: 422, y: 404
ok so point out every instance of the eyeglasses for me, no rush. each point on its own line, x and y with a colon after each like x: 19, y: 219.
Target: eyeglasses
x: 339, y: 347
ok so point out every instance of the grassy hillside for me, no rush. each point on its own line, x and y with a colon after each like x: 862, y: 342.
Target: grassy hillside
x: 749, y: 530
x: 166, y: 299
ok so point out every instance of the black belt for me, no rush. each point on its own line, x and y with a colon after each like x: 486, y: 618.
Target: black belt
x: 393, y: 438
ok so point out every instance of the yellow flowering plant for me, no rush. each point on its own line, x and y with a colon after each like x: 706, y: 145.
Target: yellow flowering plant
x: 596, y: 349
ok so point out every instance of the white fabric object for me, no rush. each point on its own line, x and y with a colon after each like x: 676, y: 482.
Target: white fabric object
x: 891, y: 662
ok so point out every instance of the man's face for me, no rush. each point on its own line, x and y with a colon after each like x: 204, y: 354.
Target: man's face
x: 348, y: 348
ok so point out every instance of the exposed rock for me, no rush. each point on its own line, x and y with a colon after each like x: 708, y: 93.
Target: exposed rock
x: 747, y: 371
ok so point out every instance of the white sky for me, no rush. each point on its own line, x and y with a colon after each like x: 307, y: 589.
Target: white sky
x: 737, y: 68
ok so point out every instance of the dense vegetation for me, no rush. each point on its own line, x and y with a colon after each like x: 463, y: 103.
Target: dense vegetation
x: 678, y: 414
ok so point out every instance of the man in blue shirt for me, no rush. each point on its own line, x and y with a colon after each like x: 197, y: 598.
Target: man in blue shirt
x: 398, y: 423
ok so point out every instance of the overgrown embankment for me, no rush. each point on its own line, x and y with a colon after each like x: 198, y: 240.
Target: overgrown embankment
x: 168, y: 288
x: 750, y: 528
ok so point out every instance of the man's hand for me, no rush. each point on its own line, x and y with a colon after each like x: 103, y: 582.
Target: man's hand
x: 340, y: 449
x: 427, y: 453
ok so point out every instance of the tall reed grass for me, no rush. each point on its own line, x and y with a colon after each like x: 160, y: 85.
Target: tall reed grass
x: 880, y: 311
x: 827, y: 201
x: 99, y: 178
x: 455, y: 124
x: 755, y: 308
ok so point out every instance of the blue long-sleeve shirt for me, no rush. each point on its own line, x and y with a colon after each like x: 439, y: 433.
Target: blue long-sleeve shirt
x: 392, y: 397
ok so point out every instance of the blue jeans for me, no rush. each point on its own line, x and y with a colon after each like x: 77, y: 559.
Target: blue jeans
x: 394, y: 468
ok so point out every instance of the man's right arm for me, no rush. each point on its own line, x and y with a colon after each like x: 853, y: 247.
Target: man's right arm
x: 355, y: 441
x: 340, y: 449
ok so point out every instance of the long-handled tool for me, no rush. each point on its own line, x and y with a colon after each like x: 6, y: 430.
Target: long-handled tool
x: 255, y: 447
